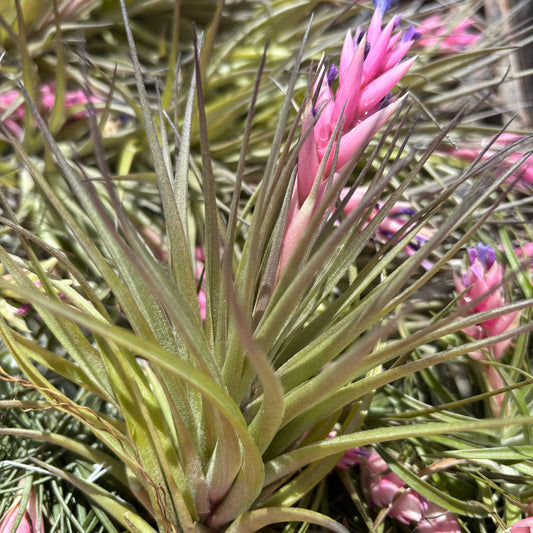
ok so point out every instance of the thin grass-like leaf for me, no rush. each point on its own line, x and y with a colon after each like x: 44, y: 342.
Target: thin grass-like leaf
x: 212, y: 232
x: 126, y: 516
x: 293, y: 460
x: 116, y: 467
x: 57, y: 114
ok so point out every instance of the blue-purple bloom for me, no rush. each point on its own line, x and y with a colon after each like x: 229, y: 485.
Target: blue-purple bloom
x: 332, y: 74
x: 382, y: 5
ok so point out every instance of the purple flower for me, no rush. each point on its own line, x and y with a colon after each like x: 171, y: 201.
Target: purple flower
x: 382, y: 5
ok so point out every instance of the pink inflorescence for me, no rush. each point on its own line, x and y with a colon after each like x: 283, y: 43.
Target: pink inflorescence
x: 396, y: 218
x: 480, y: 289
x: 384, y: 488
x: 436, y: 31
x: 522, y: 177
x: 371, y: 64
x: 12, y: 102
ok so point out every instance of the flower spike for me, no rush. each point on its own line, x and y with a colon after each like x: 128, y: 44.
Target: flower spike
x: 371, y: 64
x: 481, y: 282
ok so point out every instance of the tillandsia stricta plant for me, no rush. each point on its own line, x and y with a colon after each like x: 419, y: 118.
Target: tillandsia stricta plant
x: 227, y: 367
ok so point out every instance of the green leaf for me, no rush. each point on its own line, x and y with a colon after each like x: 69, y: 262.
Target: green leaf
x: 92, y: 454
x: 250, y: 479
x: 291, y: 461
x: 253, y: 521
x: 518, y: 453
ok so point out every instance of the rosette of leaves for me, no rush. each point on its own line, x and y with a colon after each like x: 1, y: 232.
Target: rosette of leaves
x: 222, y: 424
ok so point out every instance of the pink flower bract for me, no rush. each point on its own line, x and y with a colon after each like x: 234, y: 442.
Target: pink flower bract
x: 371, y: 64
x: 31, y: 522
x: 449, y: 40
x: 481, y: 282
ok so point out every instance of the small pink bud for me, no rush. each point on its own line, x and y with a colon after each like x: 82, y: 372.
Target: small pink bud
x: 31, y: 522
x: 525, y: 253
x: 9, y: 521
x: 383, y: 488
x: 199, y: 260
x: 522, y: 526
x: 386, y: 489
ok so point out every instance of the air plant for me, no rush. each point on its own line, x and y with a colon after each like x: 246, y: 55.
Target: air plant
x: 225, y: 333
